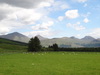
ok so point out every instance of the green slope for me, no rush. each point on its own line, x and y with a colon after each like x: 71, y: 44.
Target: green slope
x: 9, y: 45
x: 64, y: 41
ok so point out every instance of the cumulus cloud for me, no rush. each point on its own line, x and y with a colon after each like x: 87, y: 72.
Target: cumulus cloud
x: 71, y: 14
x: 60, y: 18
x: 43, y: 25
x: 86, y: 20
x: 4, y: 30
x: 95, y: 33
x: 5, y: 10
x: 24, y: 3
x: 15, y: 14
x: 14, y: 17
x: 76, y: 26
x: 29, y: 17
x: 59, y: 5
x: 8, y: 25
x: 46, y: 33
x: 44, y: 4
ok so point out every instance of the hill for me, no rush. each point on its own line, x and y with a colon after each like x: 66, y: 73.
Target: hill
x: 87, y: 41
x: 16, y: 36
x: 7, y: 45
x: 88, y: 38
x: 41, y: 37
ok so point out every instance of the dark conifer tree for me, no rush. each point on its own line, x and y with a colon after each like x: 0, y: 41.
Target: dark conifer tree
x: 34, y: 45
x: 37, y: 44
x: 31, y: 45
x: 55, y: 47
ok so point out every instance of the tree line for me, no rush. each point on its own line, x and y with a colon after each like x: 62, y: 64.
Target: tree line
x: 34, y: 45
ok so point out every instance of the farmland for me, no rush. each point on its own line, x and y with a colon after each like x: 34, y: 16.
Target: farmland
x: 50, y: 63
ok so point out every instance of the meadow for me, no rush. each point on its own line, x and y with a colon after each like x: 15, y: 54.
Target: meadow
x: 50, y: 63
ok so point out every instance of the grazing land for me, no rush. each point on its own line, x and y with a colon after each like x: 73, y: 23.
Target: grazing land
x: 50, y: 63
x: 7, y: 46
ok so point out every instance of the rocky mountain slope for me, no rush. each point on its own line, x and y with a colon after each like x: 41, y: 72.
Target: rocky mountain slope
x: 16, y: 37
x: 87, y: 41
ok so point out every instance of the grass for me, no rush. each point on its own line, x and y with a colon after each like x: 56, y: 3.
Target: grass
x: 50, y: 63
x: 11, y: 46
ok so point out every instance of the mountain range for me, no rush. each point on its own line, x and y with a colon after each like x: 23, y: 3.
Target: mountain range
x: 87, y: 41
x: 16, y: 37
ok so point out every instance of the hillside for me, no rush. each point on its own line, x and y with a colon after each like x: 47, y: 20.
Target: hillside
x: 65, y: 42
x: 86, y: 41
x: 6, y: 44
x: 16, y: 37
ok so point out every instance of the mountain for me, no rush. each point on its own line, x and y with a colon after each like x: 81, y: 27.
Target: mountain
x: 16, y: 37
x: 41, y: 38
x: 88, y: 38
x: 63, y: 42
x: 73, y: 37
x: 93, y: 43
x: 90, y: 42
x: 98, y: 39
x: 87, y: 41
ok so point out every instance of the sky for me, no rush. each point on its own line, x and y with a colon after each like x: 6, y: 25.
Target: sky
x: 51, y: 18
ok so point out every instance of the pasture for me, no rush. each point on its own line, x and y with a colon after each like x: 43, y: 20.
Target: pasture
x: 50, y: 63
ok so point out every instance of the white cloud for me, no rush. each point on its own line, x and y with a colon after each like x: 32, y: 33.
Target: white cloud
x: 65, y: 6
x: 43, y: 25
x: 78, y: 35
x: 7, y: 25
x: 29, y: 17
x: 4, y: 30
x: 15, y: 14
x: 80, y: 1
x: 58, y: 5
x: 60, y: 18
x: 15, y: 17
x: 44, y: 4
x: 5, y: 10
x: 95, y: 33
x: 24, y: 3
x: 71, y: 14
x: 76, y: 26
x: 45, y: 33
x: 86, y: 20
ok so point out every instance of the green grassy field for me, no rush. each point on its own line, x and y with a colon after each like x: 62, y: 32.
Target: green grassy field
x: 50, y: 63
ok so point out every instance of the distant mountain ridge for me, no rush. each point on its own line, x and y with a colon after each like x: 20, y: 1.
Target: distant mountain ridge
x: 41, y: 38
x: 16, y: 37
x: 87, y: 41
x: 19, y: 37
x: 88, y: 38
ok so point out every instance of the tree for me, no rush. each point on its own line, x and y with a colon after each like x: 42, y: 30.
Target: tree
x: 34, y: 45
x: 37, y: 44
x: 55, y: 47
x: 31, y: 45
